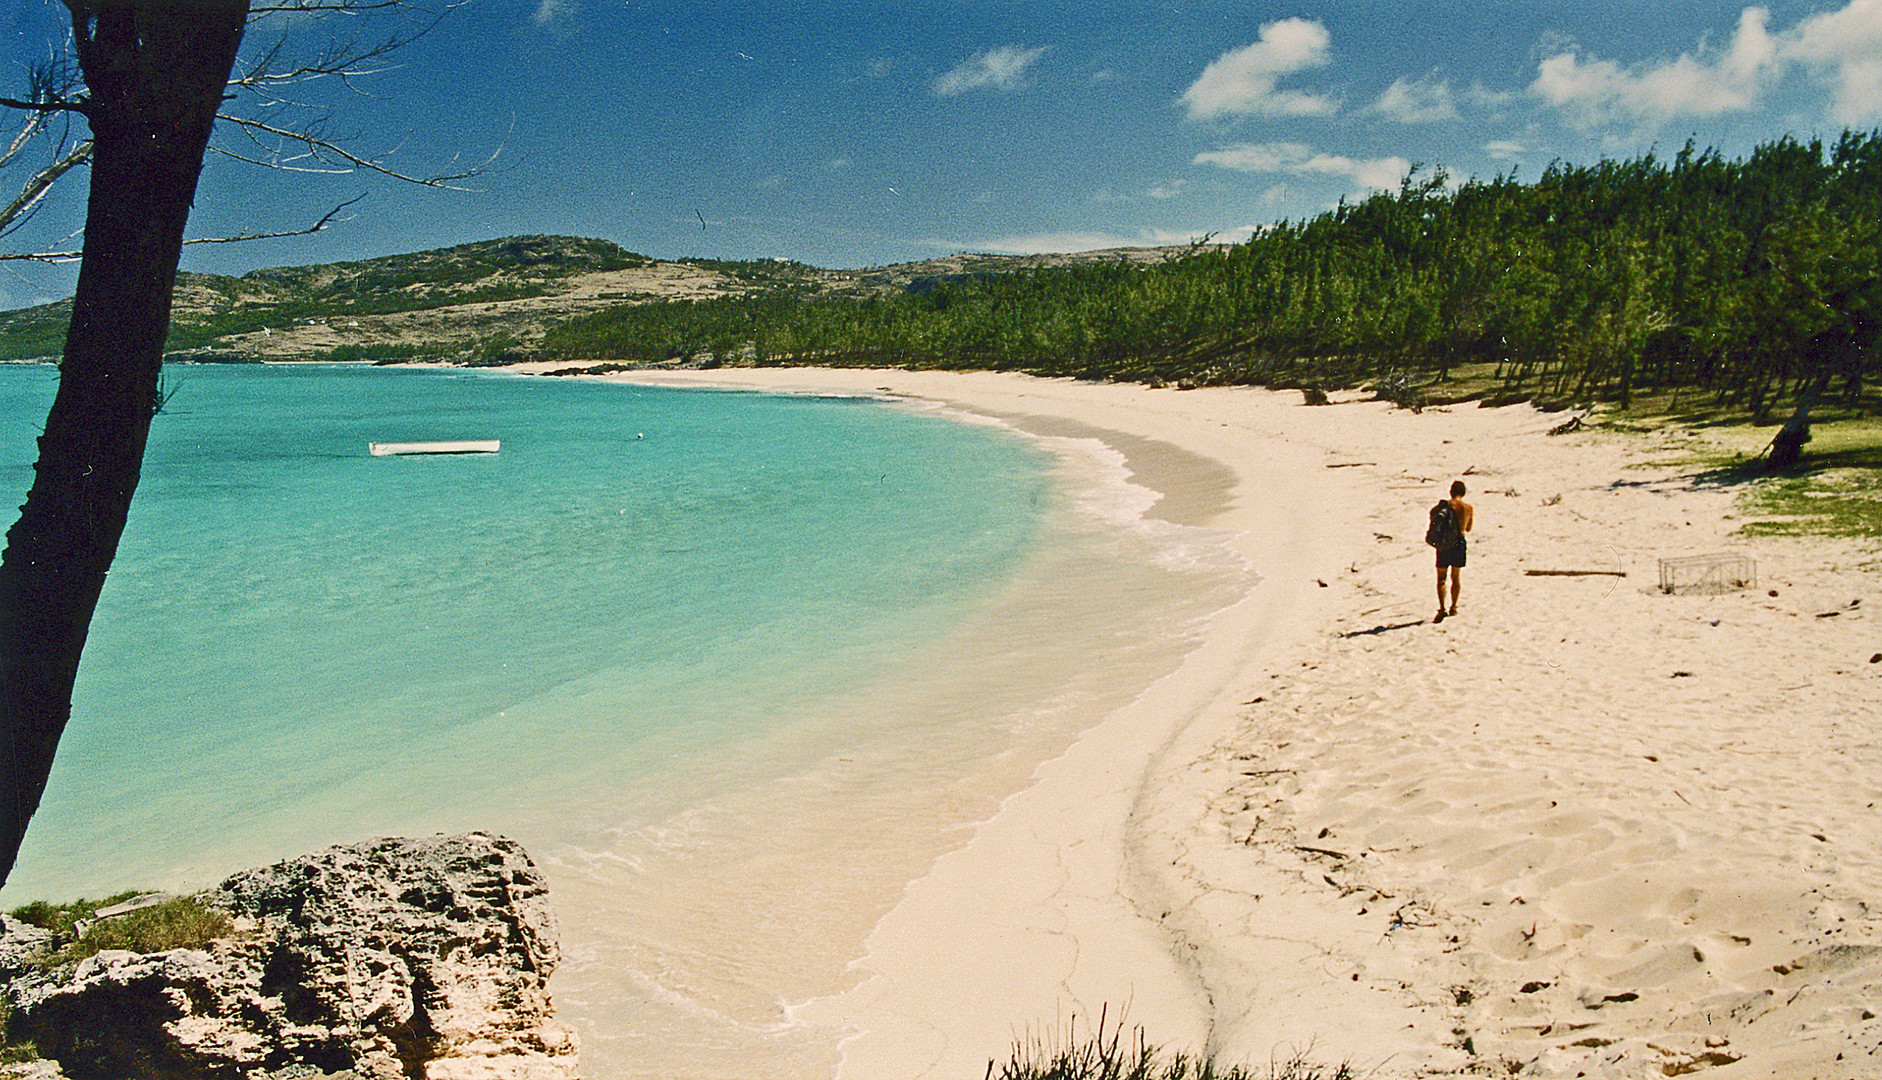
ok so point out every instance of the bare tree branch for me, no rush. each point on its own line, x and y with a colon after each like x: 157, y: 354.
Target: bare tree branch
x: 317, y: 226
x: 299, y: 144
x: 55, y: 257
x: 322, y: 150
x: 49, y: 84
x: 344, y: 61
x: 40, y: 183
x: 51, y: 258
x: 329, y: 5
x: 44, y: 106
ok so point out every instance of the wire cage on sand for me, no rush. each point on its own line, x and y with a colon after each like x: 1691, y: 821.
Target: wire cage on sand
x: 1715, y: 573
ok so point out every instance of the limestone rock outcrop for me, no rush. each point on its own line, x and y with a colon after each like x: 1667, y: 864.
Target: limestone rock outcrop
x: 395, y: 959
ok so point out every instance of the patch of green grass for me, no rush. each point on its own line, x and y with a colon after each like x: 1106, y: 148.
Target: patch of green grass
x: 183, y: 923
x: 62, y: 919
x: 1836, y: 489
x: 1850, y: 443
x: 178, y: 923
x: 13, y: 1053
x: 34, y: 333
x: 1830, y: 502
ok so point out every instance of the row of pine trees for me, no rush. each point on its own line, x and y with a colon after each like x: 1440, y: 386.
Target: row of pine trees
x: 1754, y: 281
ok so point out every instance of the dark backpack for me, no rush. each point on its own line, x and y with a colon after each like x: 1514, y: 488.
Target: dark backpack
x: 1443, y: 532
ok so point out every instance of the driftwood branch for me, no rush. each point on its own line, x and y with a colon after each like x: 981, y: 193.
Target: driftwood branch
x: 1328, y: 852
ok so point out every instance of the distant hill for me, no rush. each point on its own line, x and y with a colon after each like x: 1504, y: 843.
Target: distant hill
x: 483, y: 302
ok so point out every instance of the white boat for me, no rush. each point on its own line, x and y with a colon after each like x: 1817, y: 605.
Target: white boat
x: 460, y: 446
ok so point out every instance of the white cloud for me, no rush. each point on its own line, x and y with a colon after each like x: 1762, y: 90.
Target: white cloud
x: 1299, y: 159
x: 1597, y: 93
x: 1842, y: 48
x: 1168, y: 189
x: 1504, y: 150
x: 1059, y: 243
x: 1242, y: 82
x: 1417, y: 101
x: 1258, y: 157
x: 1003, y: 68
x: 1846, y: 46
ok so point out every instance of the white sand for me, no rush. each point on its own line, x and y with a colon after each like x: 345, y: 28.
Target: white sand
x: 1582, y: 829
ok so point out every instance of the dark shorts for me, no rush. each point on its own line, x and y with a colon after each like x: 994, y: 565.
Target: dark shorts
x: 1452, y: 556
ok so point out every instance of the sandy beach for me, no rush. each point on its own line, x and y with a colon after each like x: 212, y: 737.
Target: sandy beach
x: 1583, y: 828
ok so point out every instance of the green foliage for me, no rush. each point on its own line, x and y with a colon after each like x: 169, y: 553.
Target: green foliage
x: 13, y: 1053
x: 62, y: 918
x: 1833, y: 502
x: 1748, y: 282
x: 496, y: 350
x: 512, y: 269
x: 34, y: 333
x: 383, y: 354
x: 761, y: 271
x: 177, y: 923
x: 356, y: 298
x: 182, y: 923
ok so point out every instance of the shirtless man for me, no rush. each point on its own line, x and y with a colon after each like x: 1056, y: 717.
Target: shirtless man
x: 1453, y: 557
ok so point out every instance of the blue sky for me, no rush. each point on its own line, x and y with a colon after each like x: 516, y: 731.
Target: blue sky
x: 850, y: 134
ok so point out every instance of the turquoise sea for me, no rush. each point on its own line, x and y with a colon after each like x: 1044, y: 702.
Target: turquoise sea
x: 734, y: 666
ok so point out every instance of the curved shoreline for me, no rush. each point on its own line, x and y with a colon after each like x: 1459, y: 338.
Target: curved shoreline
x: 1584, y: 829
x: 1051, y: 910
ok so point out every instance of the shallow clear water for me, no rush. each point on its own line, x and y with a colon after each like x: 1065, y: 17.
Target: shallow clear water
x: 735, y: 667
x: 290, y: 618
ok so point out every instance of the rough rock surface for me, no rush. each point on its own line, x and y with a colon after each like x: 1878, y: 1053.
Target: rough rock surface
x: 394, y: 959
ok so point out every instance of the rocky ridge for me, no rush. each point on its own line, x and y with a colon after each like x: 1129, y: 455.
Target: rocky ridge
x: 480, y: 302
x: 392, y: 959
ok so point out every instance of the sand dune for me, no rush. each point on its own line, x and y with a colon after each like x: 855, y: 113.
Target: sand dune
x: 1584, y: 828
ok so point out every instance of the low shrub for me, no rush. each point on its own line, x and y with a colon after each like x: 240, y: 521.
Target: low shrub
x: 1103, y: 1055
x: 182, y: 923
x: 177, y: 923
x: 62, y: 919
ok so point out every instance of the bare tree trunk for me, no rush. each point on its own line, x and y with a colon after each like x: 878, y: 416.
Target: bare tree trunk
x: 155, y: 71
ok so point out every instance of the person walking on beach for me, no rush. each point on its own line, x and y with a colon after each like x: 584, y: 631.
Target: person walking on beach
x: 1450, y: 519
